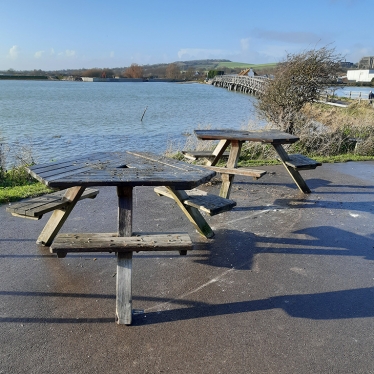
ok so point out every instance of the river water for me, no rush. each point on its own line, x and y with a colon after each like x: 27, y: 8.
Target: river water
x: 63, y: 119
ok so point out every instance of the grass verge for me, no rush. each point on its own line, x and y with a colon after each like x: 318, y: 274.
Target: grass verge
x: 14, y: 193
x: 16, y: 184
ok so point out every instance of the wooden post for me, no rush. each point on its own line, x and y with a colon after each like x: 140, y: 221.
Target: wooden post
x: 295, y: 175
x: 218, y: 152
x: 124, y: 259
x: 228, y: 179
x: 192, y: 213
x: 143, y: 113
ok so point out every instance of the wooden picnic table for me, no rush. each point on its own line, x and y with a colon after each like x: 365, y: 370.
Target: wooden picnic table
x: 235, y: 138
x: 123, y: 170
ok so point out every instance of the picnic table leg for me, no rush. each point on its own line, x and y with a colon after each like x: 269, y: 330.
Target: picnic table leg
x: 228, y: 179
x: 192, y: 213
x: 298, y: 179
x: 124, y: 259
x: 218, y: 152
x: 59, y: 216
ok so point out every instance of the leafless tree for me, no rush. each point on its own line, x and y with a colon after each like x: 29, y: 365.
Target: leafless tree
x: 172, y: 71
x: 134, y: 71
x: 97, y: 73
x: 298, y: 80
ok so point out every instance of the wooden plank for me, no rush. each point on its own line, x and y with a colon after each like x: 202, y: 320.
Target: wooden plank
x: 218, y: 151
x: 110, y: 242
x: 36, y: 207
x: 169, y: 162
x: 43, y: 171
x: 124, y: 260
x: 295, y: 175
x: 191, y: 213
x: 211, y: 204
x: 122, y: 169
x: 194, y: 155
x: 238, y: 171
x: 228, y: 179
x: 124, y: 211
x: 136, y: 177
x: 124, y: 289
x: 264, y: 136
x: 302, y: 162
x: 59, y: 216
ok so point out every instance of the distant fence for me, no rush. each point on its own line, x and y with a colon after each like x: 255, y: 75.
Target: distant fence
x: 358, y: 95
x: 354, y: 95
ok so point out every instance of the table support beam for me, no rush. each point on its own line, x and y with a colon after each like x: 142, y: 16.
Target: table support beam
x: 192, y: 213
x: 124, y: 260
x: 218, y: 152
x: 228, y: 179
x: 59, y: 216
x: 295, y: 175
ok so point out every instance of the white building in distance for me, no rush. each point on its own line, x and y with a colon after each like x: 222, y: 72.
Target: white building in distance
x: 360, y: 75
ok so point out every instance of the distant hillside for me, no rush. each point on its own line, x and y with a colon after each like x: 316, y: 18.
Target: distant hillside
x: 212, y: 65
x: 193, y: 69
x: 242, y: 65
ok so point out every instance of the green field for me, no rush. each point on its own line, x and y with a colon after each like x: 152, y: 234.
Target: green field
x: 241, y: 65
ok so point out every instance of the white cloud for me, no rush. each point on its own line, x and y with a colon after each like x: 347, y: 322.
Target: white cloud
x: 38, y: 54
x: 70, y: 53
x: 13, y: 52
x: 52, y: 51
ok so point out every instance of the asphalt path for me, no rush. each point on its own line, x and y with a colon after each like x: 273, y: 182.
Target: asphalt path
x: 285, y: 286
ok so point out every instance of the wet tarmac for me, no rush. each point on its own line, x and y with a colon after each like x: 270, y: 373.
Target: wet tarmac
x: 285, y: 286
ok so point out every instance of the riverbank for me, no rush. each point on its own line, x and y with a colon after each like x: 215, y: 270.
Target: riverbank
x: 348, y: 135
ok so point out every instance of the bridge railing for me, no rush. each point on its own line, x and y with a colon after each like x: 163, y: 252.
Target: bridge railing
x: 256, y: 83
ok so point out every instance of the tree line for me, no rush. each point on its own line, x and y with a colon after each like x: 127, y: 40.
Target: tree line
x: 187, y: 70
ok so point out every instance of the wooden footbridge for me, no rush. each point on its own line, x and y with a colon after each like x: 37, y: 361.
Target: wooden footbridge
x: 242, y: 83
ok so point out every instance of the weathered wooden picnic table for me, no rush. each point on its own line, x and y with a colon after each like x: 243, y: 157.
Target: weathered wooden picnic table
x: 235, y: 138
x: 123, y: 170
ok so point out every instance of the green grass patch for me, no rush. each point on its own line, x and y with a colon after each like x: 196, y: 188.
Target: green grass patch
x: 17, y: 184
x: 325, y: 160
x: 15, y: 193
x: 242, y: 65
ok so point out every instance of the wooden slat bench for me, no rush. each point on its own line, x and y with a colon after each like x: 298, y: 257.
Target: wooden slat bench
x: 35, y: 208
x: 111, y: 242
x: 256, y: 174
x: 195, y: 155
x: 301, y: 162
x: 211, y: 204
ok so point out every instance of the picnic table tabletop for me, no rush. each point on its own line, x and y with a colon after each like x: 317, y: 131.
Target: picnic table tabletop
x: 127, y: 168
x: 265, y: 136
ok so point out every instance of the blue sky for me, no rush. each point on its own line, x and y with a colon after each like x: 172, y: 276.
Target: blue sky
x: 55, y: 34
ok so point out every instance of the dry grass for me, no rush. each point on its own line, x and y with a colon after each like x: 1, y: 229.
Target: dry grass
x: 356, y: 115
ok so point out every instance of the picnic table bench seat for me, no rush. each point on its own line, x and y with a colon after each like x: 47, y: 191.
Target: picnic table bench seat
x: 195, y: 155
x: 111, y: 242
x: 255, y: 173
x: 34, y: 208
x: 211, y: 204
x: 301, y: 162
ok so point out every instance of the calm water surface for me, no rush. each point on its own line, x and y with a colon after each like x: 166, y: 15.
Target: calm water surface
x: 62, y: 119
